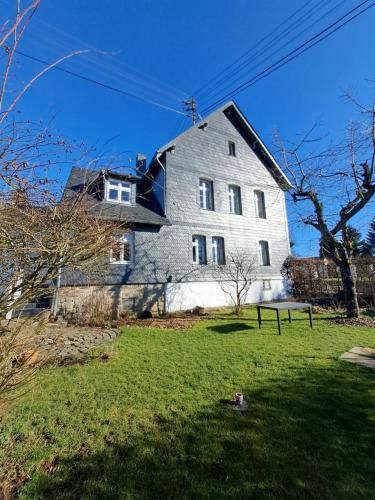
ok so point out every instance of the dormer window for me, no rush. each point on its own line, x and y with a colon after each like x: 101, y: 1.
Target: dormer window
x: 118, y: 191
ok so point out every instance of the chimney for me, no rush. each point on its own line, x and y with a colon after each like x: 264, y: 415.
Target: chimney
x: 140, y: 164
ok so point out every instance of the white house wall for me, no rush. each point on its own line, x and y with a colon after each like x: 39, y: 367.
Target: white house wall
x: 182, y: 296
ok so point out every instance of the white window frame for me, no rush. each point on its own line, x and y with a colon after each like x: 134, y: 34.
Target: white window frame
x: 260, y: 249
x: 120, y: 187
x: 125, y: 239
x: 199, y: 243
x: 259, y: 194
x: 218, y: 250
x: 206, y: 194
x: 232, y: 191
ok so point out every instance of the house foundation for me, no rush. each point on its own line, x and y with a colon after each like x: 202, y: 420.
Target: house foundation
x: 112, y: 300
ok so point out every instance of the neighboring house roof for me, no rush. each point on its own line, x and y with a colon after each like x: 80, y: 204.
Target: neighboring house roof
x: 81, y: 178
x: 274, y: 167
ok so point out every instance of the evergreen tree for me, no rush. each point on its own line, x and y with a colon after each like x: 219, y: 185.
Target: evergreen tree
x: 370, y: 240
x: 355, y: 237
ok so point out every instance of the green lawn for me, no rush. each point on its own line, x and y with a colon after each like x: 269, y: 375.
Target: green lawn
x: 149, y: 423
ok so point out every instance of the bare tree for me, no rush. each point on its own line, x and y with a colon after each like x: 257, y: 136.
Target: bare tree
x: 236, y: 276
x: 40, y: 234
x: 11, y: 34
x: 333, y: 184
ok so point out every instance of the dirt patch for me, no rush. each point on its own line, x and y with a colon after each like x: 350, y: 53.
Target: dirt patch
x: 166, y: 323
x: 353, y: 322
x: 103, y: 357
x: 50, y: 466
x: 81, y: 453
x: 10, y: 484
x: 70, y: 361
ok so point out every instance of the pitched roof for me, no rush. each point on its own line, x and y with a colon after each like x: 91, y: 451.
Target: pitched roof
x: 81, y: 178
x: 272, y: 164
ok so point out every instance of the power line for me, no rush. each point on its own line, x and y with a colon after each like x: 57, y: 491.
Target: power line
x: 293, y: 54
x: 279, y: 49
x: 50, y: 36
x: 257, y: 44
x: 96, y: 82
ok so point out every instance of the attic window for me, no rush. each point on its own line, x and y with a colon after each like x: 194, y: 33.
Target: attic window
x: 232, y: 148
x: 118, y: 191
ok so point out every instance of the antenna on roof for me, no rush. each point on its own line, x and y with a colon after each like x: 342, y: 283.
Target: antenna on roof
x: 191, y: 109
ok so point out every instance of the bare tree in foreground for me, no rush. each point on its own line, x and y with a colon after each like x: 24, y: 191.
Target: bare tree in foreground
x: 333, y: 185
x: 39, y: 234
x: 236, y: 276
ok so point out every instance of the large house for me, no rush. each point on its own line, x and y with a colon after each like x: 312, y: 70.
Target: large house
x: 213, y: 190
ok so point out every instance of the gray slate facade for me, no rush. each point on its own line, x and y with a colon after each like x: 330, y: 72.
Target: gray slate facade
x: 165, y: 213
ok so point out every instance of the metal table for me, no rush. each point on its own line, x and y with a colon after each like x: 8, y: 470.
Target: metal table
x: 281, y: 306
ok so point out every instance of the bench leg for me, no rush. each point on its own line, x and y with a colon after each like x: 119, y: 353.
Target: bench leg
x: 278, y: 320
x: 259, y: 317
x: 289, y: 316
x: 310, y: 317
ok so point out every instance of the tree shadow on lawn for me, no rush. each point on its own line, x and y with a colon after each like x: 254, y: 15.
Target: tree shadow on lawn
x: 230, y: 328
x: 306, y: 438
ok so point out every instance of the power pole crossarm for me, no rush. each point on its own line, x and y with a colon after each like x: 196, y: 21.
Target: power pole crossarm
x: 191, y: 109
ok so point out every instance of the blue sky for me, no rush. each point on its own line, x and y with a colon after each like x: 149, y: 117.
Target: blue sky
x: 164, y: 51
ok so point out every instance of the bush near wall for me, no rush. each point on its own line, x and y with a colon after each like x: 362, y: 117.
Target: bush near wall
x: 318, y: 280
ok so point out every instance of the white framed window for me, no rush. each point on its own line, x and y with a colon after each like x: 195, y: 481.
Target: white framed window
x: 122, y: 251
x: 118, y: 191
x: 199, y: 249
x: 218, y: 253
x: 206, y: 194
x: 264, y: 253
x: 260, y: 204
x: 266, y: 284
x: 232, y: 148
x: 235, y: 200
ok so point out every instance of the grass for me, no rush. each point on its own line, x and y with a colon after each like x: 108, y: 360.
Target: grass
x: 148, y: 424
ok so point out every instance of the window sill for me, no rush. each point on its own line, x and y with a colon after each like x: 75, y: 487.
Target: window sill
x: 120, y: 263
x: 127, y: 203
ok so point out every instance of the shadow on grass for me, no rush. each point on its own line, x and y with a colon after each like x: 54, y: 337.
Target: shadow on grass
x: 310, y: 437
x: 230, y: 328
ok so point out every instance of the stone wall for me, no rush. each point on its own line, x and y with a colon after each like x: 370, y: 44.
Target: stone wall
x: 114, y: 299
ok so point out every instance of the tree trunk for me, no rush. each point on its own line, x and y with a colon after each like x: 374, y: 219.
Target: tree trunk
x: 349, y: 283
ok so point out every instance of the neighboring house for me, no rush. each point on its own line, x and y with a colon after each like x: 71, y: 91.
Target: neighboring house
x: 212, y: 190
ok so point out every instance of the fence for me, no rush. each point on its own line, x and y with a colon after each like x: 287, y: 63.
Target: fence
x: 320, y: 281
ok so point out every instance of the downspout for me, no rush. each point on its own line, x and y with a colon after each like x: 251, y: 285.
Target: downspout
x: 14, y: 297
x: 56, y: 294
x: 157, y: 157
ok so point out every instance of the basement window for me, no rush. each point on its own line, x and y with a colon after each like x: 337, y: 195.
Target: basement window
x: 266, y: 284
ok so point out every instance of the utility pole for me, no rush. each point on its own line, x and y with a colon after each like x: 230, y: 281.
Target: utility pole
x: 191, y: 109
